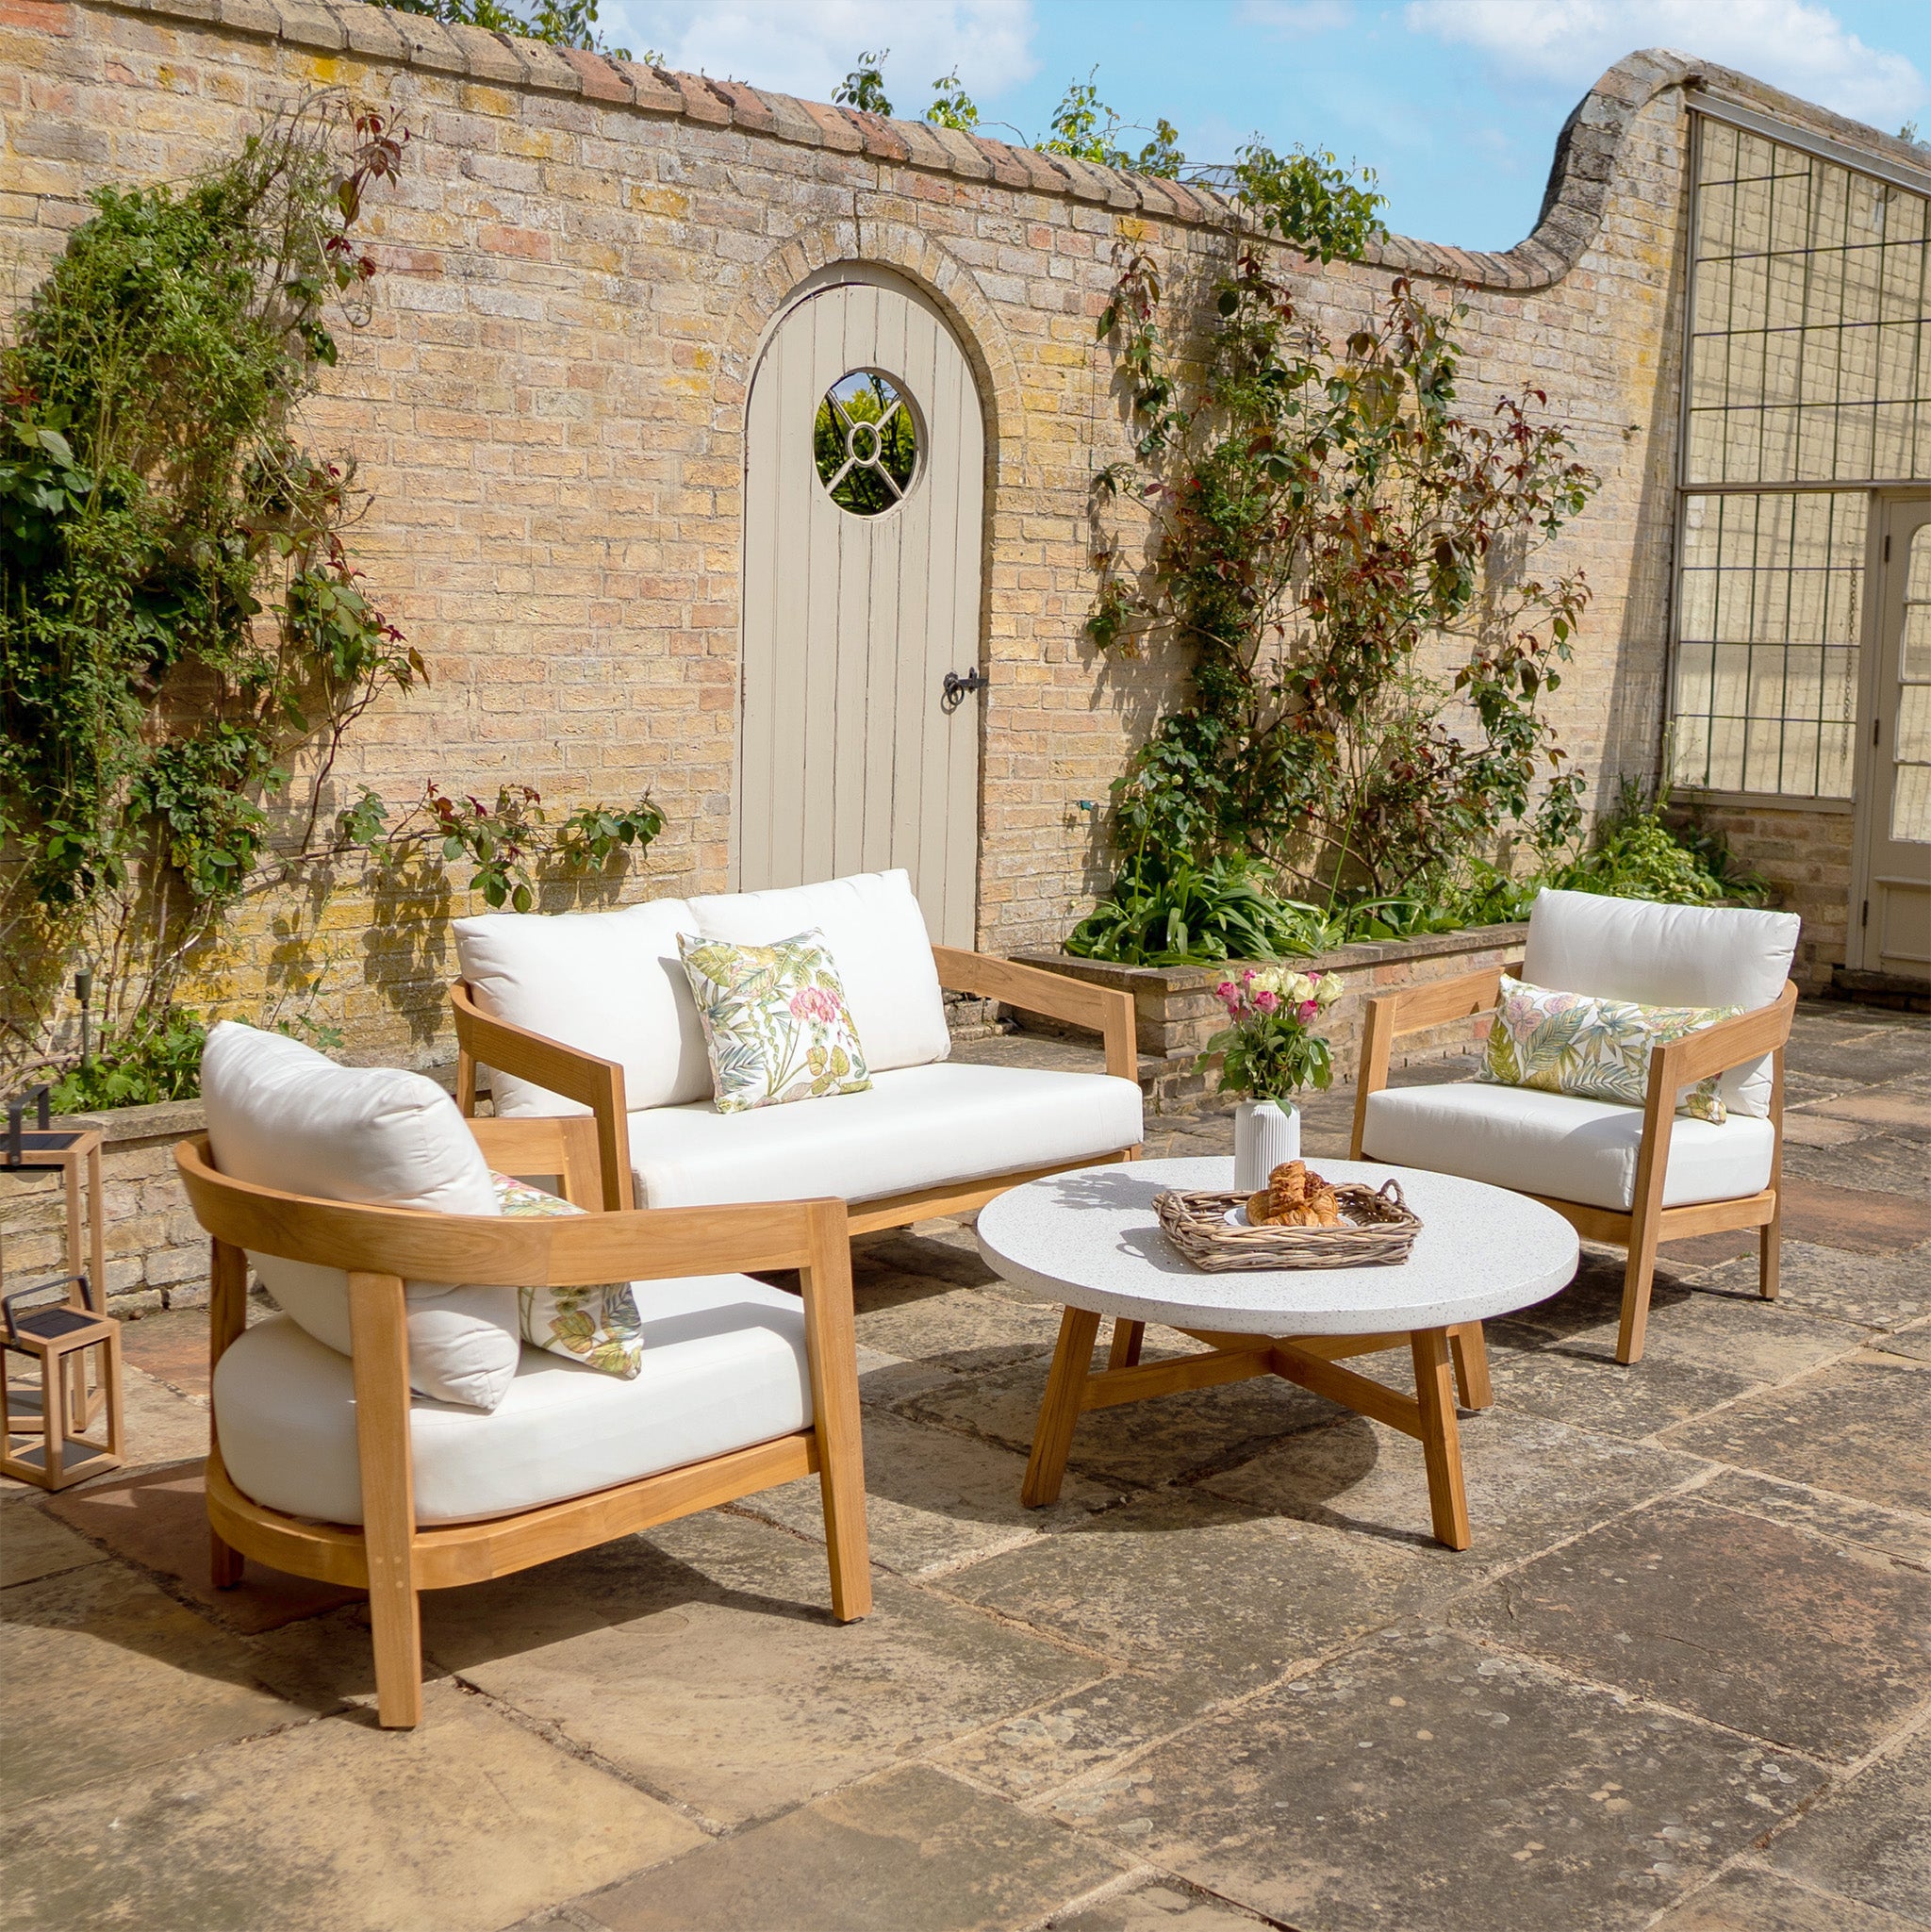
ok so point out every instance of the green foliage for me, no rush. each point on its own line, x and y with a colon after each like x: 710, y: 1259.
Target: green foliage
x: 1307, y: 200
x: 562, y: 22
x: 1638, y: 854
x: 951, y: 106
x: 1084, y: 129
x: 1320, y: 511
x: 864, y: 87
x: 171, y: 536
x: 1169, y: 910
x: 505, y: 844
x: 159, y: 1059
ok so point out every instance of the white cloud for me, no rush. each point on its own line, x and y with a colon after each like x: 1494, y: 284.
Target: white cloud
x: 1792, y: 43
x: 806, y: 47
x: 1296, y: 16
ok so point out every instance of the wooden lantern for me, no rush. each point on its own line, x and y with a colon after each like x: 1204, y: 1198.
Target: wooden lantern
x: 46, y: 1425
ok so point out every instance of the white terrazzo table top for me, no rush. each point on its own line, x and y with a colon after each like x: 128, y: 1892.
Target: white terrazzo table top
x: 1089, y: 1239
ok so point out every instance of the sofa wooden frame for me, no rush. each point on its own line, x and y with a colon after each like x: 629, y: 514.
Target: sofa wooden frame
x: 1714, y: 1050
x: 391, y: 1555
x: 598, y: 1083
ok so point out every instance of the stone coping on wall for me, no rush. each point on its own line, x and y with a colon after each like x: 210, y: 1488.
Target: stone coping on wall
x: 1580, y: 175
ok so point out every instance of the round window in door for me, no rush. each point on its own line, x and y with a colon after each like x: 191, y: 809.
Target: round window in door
x: 865, y: 441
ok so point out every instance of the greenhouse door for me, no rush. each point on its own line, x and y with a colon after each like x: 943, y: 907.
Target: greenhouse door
x: 859, y: 727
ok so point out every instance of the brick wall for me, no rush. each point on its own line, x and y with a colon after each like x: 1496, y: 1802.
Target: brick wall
x: 548, y: 401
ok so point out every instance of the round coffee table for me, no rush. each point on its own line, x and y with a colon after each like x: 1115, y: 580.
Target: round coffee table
x: 1089, y: 1240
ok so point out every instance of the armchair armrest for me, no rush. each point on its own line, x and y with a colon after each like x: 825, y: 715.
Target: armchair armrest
x: 1414, y: 1011
x: 1055, y: 995
x: 1730, y: 1043
x: 593, y: 1083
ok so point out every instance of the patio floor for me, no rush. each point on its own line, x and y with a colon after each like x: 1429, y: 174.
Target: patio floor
x: 1683, y: 1678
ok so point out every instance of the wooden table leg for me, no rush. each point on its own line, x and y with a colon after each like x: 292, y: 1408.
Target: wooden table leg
x: 1053, y: 1439
x: 1125, y: 1352
x: 1471, y: 1353
x: 1441, y: 1437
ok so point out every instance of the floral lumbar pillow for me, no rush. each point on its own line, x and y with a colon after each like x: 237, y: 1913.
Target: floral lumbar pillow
x: 599, y: 1327
x: 775, y: 1021
x: 1598, y: 1049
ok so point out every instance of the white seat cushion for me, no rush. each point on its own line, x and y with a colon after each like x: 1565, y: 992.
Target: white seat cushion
x: 609, y: 983
x: 916, y: 1127
x: 282, y: 1115
x: 1557, y: 1144
x: 1666, y: 955
x: 724, y: 1367
x: 876, y: 935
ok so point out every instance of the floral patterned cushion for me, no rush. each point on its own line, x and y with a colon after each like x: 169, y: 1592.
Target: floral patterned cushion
x: 1568, y: 1043
x: 775, y: 1021
x: 599, y: 1327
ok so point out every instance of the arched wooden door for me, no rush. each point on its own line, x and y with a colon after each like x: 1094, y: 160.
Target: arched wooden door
x: 865, y: 454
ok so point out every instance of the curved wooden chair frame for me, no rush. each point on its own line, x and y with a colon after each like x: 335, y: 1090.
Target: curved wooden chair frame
x: 1695, y: 1056
x: 598, y: 1083
x: 393, y: 1557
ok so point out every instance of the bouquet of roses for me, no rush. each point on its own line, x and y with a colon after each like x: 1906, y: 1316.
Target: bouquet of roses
x: 1270, y: 1047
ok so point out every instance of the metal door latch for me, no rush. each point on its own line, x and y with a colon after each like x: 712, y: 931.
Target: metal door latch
x: 957, y: 688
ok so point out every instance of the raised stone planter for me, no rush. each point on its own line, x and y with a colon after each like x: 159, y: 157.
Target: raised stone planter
x: 1178, y: 1011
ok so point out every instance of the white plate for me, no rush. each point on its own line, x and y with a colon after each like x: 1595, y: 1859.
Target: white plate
x: 1237, y: 1216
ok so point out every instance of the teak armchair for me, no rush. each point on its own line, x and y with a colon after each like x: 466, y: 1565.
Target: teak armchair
x: 390, y: 1554
x: 1729, y: 1043
x: 598, y: 1083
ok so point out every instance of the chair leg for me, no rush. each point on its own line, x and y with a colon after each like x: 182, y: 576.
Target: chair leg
x: 1770, y: 1253
x: 380, y: 1342
x: 1637, y: 1276
x: 831, y: 1347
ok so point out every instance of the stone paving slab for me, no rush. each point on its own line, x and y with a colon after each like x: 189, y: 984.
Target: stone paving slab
x: 1892, y: 1163
x: 33, y: 1543
x: 1766, y: 1628
x: 1865, y: 1219
x: 157, y: 1518
x: 1530, y: 1482
x: 911, y: 1851
x: 1895, y: 1532
x: 1860, y: 1427
x: 101, y: 1674
x: 934, y: 1500
x: 1589, y: 1389
x: 1884, y: 1291
x: 1160, y: 1907
x: 1138, y: 1443
x: 464, y: 1825
x: 1746, y: 1899
x: 1424, y: 1783
x: 1044, y: 1748
x: 737, y: 1700
x: 1871, y: 1838
x: 963, y: 1329
x: 1194, y: 1586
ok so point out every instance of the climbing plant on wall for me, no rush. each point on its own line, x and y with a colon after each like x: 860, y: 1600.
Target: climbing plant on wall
x: 182, y: 627
x: 1339, y: 550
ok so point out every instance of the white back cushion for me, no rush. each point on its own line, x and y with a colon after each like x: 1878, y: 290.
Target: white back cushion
x: 282, y: 1115
x: 876, y: 935
x: 610, y: 983
x: 1666, y: 955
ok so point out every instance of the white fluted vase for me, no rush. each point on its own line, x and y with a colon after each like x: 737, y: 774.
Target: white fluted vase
x: 1265, y: 1133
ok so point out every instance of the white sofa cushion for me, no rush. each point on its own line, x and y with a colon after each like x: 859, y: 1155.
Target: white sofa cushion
x: 609, y: 983
x: 1557, y: 1144
x: 876, y: 935
x: 724, y: 1367
x: 1666, y: 955
x: 916, y: 1127
x: 282, y: 1115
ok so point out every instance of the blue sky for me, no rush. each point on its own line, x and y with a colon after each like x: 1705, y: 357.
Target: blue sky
x: 1456, y: 104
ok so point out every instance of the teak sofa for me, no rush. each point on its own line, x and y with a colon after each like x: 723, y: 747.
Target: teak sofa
x: 1618, y: 1173
x: 336, y: 1467
x: 593, y: 1012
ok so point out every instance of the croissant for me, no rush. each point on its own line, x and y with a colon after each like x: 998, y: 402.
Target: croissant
x: 1260, y: 1208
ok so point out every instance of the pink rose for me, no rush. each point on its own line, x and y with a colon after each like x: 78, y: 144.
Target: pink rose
x: 1265, y: 1001
x: 1309, y: 1008
x: 814, y: 1003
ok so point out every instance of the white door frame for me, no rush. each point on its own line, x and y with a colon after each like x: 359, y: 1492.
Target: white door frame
x: 1883, y: 578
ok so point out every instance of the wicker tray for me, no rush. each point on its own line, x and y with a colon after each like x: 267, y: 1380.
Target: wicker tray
x: 1378, y: 1230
